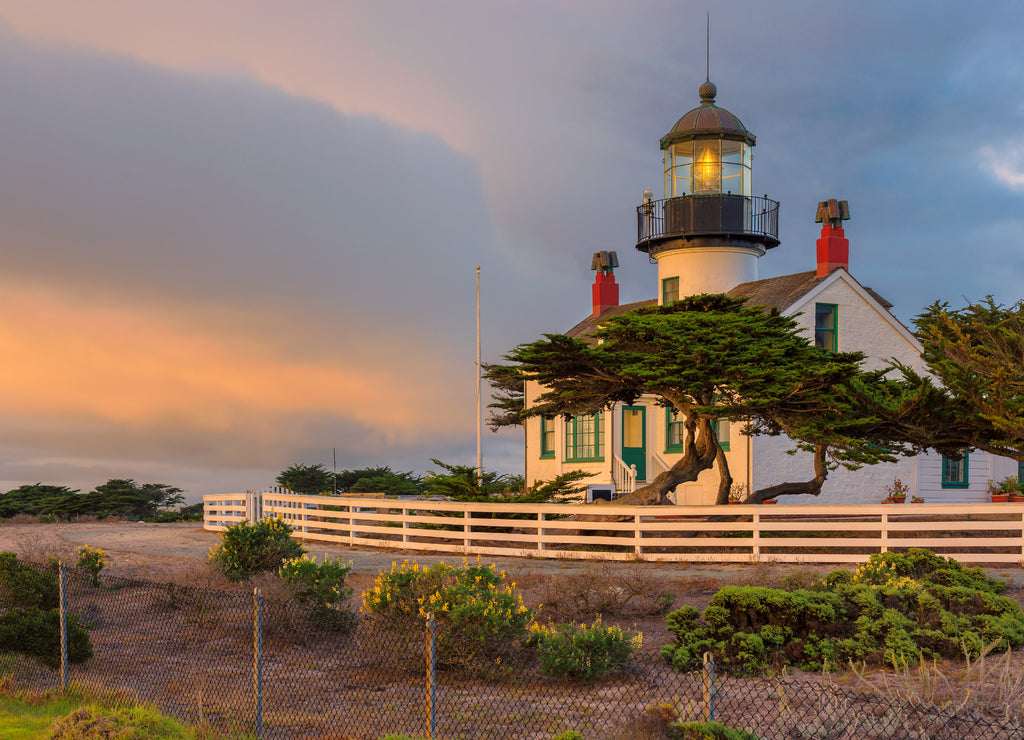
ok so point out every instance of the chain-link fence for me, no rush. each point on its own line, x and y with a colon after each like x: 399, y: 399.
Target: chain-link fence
x: 236, y: 661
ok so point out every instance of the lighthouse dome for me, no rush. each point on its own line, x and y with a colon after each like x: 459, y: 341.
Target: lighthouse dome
x: 707, y: 119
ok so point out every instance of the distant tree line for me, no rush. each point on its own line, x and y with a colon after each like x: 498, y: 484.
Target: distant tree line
x: 118, y: 497
x: 455, y: 482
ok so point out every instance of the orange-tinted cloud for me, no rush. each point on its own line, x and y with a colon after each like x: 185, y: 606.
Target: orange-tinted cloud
x: 64, y: 360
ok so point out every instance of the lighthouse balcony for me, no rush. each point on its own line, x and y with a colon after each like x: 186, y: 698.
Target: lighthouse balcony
x: 718, y: 217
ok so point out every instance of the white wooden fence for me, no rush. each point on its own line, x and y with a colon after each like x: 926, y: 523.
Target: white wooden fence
x: 980, y: 533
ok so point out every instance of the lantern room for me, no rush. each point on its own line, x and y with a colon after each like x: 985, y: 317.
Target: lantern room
x: 709, y: 230
x: 708, y: 151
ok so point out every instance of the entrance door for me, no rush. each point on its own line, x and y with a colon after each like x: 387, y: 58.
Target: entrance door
x: 634, y: 439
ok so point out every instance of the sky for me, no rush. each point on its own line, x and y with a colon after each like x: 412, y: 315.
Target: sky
x: 242, y: 234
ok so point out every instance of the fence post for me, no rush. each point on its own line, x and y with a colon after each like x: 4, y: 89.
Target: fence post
x: 63, y: 628
x: 708, y: 689
x: 431, y: 677
x: 257, y: 667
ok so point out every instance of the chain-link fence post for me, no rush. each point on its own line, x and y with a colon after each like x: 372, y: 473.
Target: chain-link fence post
x: 708, y: 689
x: 63, y: 627
x: 257, y: 668
x: 431, y: 676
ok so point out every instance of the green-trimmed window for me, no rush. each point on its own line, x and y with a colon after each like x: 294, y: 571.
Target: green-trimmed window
x: 722, y: 432
x: 826, y: 326
x: 669, y: 290
x: 583, y: 439
x: 954, y: 472
x: 675, y: 433
x: 1020, y: 471
x: 547, y: 436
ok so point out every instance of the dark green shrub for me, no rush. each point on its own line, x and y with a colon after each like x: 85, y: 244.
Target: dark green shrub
x: 22, y: 585
x: 246, y: 549
x: 895, y: 609
x: 706, y: 731
x: 580, y: 652
x: 35, y: 632
x: 320, y: 589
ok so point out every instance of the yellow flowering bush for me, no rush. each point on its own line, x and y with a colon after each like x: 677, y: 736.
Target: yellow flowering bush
x: 246, y: 549
x: 92, y: 560
x: 479, y: 615
x: 320, y: 589
x: 582, y: 652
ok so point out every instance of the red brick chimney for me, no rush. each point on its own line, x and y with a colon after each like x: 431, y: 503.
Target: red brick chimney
x: 833, y: 246
x: 605, y: 291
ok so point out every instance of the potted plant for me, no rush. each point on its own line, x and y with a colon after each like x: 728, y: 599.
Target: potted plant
x: 775, y: 501
x: 917, y: 499
x: 897, y: 491
x: 738, y: 493
x: 1001, y: 490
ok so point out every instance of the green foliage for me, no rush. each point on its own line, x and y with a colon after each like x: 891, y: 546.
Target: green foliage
x: 246, y: 549
x: 191, y: 513
x: 706, y: 731
x: 583, y: 653
x: 380, y: 480
x: 36, y: 632
x: 117, y: 497
x: 92, y: 560
x: 320, y: 588
x: 896, y: 608
x: 709, y: 357
x: 479, y: 616
x: 24, y: 586
x: 308, y: 479
x: 39, y: 500
x: 462, y: 483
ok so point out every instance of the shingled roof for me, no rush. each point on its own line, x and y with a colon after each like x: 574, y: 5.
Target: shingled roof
x: 780, y: 292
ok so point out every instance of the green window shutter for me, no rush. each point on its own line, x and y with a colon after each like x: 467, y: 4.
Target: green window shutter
x: 583, y: 438
x: 674, y: 431
x: 669, y: 290
x: 547, y: 437
x: 826, y: 326
x: 955, y: 472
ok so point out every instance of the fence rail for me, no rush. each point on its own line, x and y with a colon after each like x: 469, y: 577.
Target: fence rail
x: 989, y: 533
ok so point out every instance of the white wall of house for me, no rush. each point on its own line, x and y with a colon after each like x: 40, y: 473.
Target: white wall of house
x: 866, y: 327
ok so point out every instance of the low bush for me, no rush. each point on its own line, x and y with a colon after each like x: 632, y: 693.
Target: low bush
x: 479, y: 615
x: 897, y: 608
x: 581, y: 652
x: 23, y: 586
x: 35, y: 632
x: 92, y: 560
x: 706, y: 731
x: 246, y: 549
x: 320, y: 589
x: 590, y: 591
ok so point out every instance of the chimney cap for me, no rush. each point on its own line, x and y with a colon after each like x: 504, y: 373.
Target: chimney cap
x: 833, y: 212
x: 604, y: 261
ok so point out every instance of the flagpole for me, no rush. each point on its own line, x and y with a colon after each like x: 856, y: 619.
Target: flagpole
x: 479, y: 418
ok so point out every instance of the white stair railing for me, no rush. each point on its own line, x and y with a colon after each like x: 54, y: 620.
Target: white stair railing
x: 658, y: 466
x: 623, y: 476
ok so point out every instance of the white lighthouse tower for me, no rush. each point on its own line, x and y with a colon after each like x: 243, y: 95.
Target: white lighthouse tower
x: 709, y: 231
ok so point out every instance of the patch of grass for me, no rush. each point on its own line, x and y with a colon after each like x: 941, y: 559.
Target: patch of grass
x: 85, y: 714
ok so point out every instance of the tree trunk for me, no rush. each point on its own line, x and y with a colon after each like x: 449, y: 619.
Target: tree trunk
x: 811, y: 487
x: 700, y: 451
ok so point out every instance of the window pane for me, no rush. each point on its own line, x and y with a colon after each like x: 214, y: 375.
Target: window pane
x: 669, y: 290
x: 632, y: 428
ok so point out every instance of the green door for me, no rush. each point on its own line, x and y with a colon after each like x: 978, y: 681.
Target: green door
x: 634, y: 439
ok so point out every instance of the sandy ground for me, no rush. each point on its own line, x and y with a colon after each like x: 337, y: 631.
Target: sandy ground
x: 148, y: 550
x: 178, y: 552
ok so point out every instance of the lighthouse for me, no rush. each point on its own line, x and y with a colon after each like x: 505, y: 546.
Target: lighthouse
x: 708, y: 232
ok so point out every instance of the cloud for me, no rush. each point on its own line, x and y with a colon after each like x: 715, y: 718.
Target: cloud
x: 1005, y: 164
